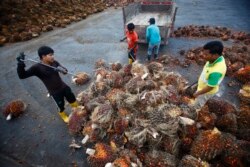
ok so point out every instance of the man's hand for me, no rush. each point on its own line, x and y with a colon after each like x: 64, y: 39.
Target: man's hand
x: 195, y: 95
x: 121, y: 40
x: 62, y: 70
x: 202, y: 91
x: 65, y: 71
x: 20, y: 58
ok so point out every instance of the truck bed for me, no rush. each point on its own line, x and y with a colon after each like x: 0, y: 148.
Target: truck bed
x: 161, y: 19
x: 139, y: 13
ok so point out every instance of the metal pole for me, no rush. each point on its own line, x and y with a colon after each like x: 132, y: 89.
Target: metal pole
x: 48, y: 66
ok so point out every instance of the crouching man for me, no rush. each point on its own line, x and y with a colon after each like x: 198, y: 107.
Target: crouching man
x: 212, y: 74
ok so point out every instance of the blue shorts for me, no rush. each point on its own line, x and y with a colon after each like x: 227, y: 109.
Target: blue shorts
x: 153, y: 49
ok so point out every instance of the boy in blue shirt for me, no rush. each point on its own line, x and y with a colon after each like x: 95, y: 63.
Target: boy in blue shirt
x: 153, y: 38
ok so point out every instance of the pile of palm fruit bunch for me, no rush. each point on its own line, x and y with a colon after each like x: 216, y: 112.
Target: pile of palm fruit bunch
x: 13, y: 109
x: 45, y: 15
x: 169, y: 61
x: 237, y: 56
x: 17, y: 24
x: 243, y: 74
x: 117, y: 3
x: 137, y: 115
x: 202, y: 31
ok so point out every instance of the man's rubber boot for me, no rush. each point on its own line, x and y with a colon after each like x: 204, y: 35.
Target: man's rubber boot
x: 156, y: 57
x: 149, y: 57
x: 130, y: 61
x: 74, y: 104
x: 64, y: 117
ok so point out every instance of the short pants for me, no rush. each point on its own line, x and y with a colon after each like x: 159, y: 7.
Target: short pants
x: 153, y: 49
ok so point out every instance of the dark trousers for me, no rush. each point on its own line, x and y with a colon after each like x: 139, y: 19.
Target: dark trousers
x: 132, y: 55
x: 59, y: 98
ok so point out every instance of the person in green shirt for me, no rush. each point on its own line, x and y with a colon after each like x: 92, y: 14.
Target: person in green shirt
x: 212, y: 74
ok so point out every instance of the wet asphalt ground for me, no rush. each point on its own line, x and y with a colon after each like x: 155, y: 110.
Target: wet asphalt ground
x: 39, y: 137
